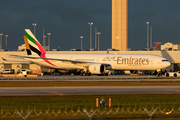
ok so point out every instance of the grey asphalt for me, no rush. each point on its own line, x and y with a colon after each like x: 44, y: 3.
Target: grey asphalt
x: 91, y: 78
x: 128, y: 80
x: 88, y: 90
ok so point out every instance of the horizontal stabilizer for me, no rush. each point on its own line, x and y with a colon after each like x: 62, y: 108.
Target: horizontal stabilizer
x: 3, y: 59
x: 13, y: 61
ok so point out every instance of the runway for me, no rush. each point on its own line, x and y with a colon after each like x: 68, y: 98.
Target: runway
x: 89, y: 90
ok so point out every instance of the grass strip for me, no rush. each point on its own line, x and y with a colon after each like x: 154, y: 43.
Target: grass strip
x: 55, y: 107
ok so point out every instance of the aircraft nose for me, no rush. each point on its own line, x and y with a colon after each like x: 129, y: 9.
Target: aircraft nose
x: 168, y: 64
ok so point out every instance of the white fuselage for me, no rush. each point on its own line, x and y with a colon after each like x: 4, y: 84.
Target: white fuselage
x: 117, y: 61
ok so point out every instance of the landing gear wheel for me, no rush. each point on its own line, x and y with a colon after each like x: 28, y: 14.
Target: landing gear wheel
x: 158, y: 74
x: 84, y: 74
x: 88, y: 74
x: 81, y: 74
x: 167, y: 74
x: 105, y: 74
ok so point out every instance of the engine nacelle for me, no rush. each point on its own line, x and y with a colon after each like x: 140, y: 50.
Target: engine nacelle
x: 96, y: 68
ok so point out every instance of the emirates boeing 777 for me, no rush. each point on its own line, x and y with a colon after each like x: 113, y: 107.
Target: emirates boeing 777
x: 88, y: 64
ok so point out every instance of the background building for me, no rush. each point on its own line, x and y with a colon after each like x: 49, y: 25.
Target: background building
x: 119, y: 24
x: 171, y: 46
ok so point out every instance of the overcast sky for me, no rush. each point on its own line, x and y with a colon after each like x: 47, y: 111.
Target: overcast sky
x: 67, y: 20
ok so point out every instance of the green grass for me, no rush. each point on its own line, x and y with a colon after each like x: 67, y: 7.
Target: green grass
x: 72, y: 106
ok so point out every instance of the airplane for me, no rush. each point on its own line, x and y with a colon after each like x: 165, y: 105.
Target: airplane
x: 88, y: 64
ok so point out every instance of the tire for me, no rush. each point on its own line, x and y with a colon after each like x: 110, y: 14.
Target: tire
x: 105, y: 74
x: 158, y: 74
x: 167, y: 74
x: 84, y: 74
x: 81, y: 74
x: 175, y: 75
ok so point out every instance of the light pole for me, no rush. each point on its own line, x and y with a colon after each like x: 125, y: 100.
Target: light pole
x: 90, y: 35
x: 151, y: 37
x: 98, y: 33
x: 1, y: 41
x: 147, y: 35
x: 34, y: 24
x: 95, y: 38
x: 81, y: 41
x: 49, y: 40
x: 6, y: 41
x: 44, y: 43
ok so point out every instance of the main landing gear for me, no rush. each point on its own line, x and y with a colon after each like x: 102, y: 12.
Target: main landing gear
x: 83, y: 73
x: 87, y: 73
x: 105, y: 74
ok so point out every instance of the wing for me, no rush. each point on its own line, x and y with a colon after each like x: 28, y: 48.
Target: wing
x: 79, y: 63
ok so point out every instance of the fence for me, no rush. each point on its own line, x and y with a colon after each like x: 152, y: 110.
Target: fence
x: 58, y: 110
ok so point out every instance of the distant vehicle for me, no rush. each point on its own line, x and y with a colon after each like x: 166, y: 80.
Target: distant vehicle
x: 8, y: 71
x: 27, y: 70
x: 36, y: 72
x: 173, y: 74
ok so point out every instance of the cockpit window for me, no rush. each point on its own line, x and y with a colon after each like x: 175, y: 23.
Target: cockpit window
x: 164, y: 60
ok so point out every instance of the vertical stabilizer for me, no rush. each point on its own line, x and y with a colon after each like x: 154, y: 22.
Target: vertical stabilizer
x: 34, y: 44
x: 35, y: 47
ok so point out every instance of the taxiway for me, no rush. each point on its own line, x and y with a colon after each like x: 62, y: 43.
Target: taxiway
x: 88, y: 90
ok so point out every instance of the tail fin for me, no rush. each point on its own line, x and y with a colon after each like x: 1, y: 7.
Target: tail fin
x: 34, y: 44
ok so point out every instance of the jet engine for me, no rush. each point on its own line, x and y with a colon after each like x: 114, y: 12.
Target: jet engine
x: 98, y: 68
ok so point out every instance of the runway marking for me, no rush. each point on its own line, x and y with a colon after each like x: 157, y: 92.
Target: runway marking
x: 54, y: 93
x: 175, y: 90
